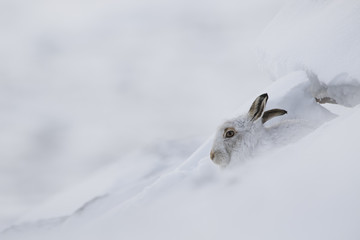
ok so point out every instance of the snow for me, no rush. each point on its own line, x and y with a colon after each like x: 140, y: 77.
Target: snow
x: 306, y: 189
x: 313, y: 194
x: 84, y: 84
x: 313, y: 35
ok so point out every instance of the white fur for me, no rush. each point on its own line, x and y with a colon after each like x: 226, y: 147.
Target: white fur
x: 241, y: 145
x: 304, y: 115
x: 253, y: 136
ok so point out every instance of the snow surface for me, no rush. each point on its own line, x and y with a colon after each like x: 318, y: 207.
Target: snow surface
x: 307, y: 189
x: 86, y: 83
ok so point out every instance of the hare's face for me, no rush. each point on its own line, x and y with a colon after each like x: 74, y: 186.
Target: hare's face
x: 229, y: 140
x: 236, y: 138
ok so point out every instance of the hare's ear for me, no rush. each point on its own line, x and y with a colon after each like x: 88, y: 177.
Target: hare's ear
x: 272, y: 113
x: 257, y: 107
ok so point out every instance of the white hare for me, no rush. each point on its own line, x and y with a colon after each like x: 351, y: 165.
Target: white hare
x: 241, y: 137
x: 238, y: 137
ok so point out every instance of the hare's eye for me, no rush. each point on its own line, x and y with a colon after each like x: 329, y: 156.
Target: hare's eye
x: 229, y: 133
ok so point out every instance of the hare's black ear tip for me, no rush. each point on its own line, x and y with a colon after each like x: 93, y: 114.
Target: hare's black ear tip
x: 264, y: 96
x: 282, y: 112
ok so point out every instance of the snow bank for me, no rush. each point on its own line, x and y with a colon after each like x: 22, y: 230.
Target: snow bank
x: 293, y: 192
x: 308, y: 189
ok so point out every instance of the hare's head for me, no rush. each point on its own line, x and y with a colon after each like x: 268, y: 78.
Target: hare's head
x: 236, y: 138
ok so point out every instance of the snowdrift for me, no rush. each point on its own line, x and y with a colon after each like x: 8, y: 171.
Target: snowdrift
x: 308, y: 189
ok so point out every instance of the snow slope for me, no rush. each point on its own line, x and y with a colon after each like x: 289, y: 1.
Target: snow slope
x: 309, y: 189
x: 80, y: 79
x: 306, y: 190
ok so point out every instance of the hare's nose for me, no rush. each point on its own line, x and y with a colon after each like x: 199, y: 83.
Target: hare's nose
x: 212, y: 155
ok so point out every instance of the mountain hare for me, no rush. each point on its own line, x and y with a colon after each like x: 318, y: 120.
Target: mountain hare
x: 241, y: 137
x: 237, y: 138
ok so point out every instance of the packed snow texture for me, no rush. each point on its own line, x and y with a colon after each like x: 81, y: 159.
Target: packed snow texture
x: 308, y: 188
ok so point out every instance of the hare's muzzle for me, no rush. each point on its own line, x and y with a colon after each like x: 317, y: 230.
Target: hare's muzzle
x: 219, y: 157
